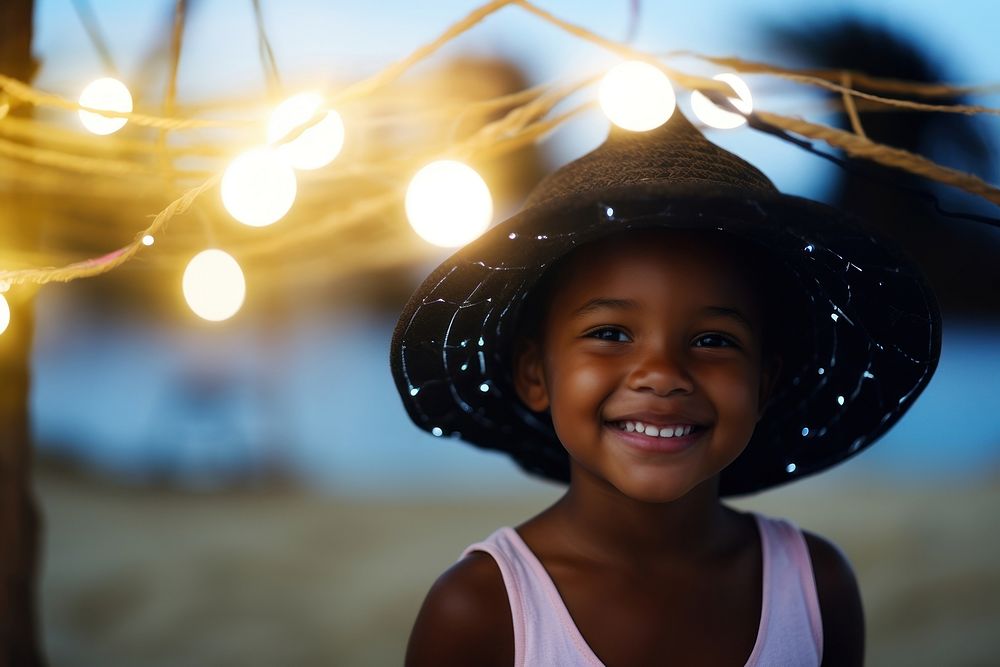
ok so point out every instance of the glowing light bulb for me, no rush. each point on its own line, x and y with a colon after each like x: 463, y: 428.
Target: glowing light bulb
x: 448, y: 203
x: 108, y: 94
x: 258, y: 187
x: 4, y: 313
x: 316, y: 146
x: 636, y: 96
x: 714, y: 116
x: 147, y: 240
x: 213, y: 285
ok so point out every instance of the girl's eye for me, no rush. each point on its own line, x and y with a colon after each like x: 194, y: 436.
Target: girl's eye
x: 609, y: 333
x: 716, y: 339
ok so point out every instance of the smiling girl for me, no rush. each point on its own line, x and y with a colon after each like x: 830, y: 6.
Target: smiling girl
x: 660, y: 328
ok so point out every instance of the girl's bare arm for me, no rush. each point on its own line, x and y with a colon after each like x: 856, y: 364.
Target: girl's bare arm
x: 465, y: 618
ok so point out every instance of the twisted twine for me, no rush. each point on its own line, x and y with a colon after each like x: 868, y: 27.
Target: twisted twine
x: 525, y: 123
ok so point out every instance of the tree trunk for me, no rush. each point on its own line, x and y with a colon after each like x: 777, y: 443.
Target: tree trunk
x: 19, y: 522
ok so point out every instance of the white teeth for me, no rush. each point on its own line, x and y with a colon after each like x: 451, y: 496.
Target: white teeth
x: 649, y: 429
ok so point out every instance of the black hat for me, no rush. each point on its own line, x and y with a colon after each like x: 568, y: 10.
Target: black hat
x: 871, y: 334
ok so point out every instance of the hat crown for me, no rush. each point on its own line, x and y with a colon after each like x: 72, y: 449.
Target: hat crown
x: 675, y: 153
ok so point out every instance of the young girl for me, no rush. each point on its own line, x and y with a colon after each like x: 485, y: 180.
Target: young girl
x: 660, y: 328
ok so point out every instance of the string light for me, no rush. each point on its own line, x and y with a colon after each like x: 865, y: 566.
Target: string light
x: 108, y: 94
x: 213, y: 285
x: 258, y: 187
x: 318, y: 145
x: 714, y: 116
x: 4, y: 313
x: 636, y: 96
x: 493, y: 138
x: 448, y: 203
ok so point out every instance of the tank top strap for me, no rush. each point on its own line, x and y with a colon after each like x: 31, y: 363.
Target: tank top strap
x: 790, y: 616
x: 544, y: 631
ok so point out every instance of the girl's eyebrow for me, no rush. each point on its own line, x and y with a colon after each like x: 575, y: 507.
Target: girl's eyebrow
x: 626, y: 304
x: 604, y: 302
x: 728, y: 312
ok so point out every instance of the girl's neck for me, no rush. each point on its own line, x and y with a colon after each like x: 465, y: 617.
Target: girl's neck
x: 602, y: 524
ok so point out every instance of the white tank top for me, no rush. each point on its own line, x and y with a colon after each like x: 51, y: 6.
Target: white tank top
x: 790, y: 630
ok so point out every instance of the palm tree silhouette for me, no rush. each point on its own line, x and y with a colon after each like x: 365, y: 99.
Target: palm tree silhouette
x: 959, y: 257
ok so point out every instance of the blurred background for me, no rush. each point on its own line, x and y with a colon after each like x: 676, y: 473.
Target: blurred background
x: 252, y: 492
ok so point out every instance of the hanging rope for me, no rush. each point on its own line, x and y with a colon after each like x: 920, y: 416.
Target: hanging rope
x: 862, y: 147
x: 528, y: 116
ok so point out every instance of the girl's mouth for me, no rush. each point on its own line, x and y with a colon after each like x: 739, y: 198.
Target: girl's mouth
x: 654, y: 438
x: 672, y: 431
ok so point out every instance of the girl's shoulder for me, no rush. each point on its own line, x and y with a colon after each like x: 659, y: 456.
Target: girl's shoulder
x: 836, y: 588
x: 465, y: 618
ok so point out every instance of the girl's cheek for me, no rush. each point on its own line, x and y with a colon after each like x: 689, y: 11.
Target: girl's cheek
x: 589, y: 381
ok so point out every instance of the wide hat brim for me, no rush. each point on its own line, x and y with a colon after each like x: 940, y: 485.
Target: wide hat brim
x: 873, y: 325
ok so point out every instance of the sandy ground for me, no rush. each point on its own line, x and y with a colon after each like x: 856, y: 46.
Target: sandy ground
x: 283, y: 577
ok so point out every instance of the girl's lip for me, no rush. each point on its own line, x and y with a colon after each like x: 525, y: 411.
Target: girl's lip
x: 656, y: 444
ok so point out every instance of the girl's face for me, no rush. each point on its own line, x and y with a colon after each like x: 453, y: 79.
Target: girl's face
x: 649, y: 330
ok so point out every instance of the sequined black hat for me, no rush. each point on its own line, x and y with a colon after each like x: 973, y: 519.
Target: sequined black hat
x: 872, y: 329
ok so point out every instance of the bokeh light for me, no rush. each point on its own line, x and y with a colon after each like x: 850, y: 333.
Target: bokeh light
x: 315, y: 147
x: 448, y: 203
x: 714, y: 116
x: 213, y: 285
x: 258, y: 187
x: 147, y: 240
x: 637, y: 96
x: 108, y: 94
x: 4, y: 313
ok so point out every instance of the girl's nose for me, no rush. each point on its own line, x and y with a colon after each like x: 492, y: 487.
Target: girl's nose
x: 661, y: 372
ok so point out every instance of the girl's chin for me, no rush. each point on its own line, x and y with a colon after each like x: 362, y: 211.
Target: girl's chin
x: 657, y: 497
x: 651, y: 487
x: 643, y: 480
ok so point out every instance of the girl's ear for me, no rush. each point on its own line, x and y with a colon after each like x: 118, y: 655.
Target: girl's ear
x: 770, y: 371
x: 529, y: 378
